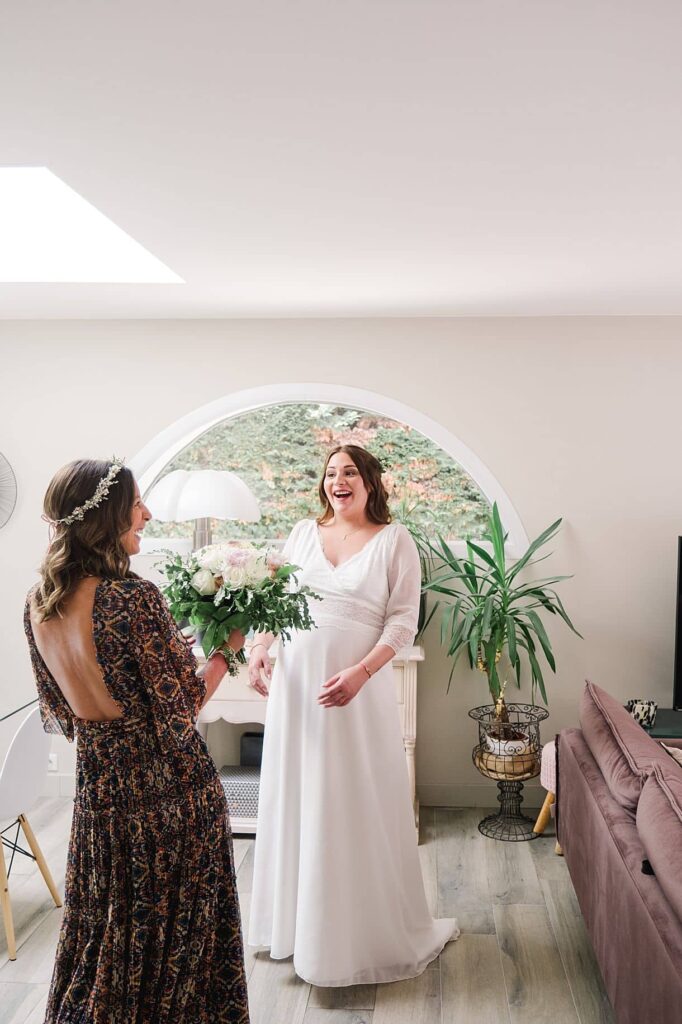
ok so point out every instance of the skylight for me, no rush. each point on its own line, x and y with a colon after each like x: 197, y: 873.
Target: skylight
x: 50, y: 234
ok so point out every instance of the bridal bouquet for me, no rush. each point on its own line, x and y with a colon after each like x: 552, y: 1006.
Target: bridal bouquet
x: 235, y: 586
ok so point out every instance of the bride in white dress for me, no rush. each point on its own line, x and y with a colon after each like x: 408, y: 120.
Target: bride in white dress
x: 337, y: 879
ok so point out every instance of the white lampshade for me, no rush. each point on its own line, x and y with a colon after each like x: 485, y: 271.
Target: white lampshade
x: 202, y: 494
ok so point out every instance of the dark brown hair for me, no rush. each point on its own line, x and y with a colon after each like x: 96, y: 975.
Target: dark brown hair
x: 90, y: 546
x: 370, y: 470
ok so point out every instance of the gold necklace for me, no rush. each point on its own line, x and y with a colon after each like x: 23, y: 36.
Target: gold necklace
x: 350, y: 533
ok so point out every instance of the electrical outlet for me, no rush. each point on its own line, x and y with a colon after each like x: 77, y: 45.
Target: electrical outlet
x: 52, y: 763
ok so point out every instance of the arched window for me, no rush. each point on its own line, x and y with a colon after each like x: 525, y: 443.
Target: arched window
x: 276, y: 438
x: 279, y: 450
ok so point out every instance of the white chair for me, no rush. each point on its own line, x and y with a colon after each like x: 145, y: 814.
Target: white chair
x: 21, y: 781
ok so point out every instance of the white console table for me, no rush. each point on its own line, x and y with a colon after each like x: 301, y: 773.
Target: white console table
x: 237, y: 702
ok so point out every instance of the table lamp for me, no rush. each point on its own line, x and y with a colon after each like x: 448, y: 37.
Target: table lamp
x: 202, y: 495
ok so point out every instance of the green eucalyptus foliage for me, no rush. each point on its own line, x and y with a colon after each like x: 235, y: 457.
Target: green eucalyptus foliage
x: 488, y: 610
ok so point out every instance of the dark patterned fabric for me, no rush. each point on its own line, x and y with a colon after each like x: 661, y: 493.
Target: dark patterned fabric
x: 151, y: 931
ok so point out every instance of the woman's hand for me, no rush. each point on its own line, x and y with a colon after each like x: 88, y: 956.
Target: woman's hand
x: 188, y: 636
x: 260, y: 668
x: 341, y: 688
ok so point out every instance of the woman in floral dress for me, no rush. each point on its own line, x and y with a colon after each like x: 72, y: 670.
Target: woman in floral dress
x: 151, y: 931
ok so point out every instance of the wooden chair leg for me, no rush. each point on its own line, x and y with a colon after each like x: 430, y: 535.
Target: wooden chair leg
x: 40, y: 860
x: 7, y: 906
x: 543, y: 816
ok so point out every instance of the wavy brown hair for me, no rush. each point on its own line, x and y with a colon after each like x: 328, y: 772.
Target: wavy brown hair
x: 87, y: 547
x: 370, y: 469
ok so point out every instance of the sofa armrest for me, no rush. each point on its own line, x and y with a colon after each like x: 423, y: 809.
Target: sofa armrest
x: 635, y: 933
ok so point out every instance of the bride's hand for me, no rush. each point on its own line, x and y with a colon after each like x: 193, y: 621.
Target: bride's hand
x: 188, y: 637
x: 260, y: 668
x: 341, y: 688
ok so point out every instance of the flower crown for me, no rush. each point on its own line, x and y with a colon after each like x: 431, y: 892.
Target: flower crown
x: 101, y: 494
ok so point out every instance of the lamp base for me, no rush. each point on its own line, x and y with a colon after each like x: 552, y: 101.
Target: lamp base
x: 202, y: 534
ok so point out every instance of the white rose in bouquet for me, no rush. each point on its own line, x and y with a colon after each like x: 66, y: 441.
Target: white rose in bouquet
x: 213, y: 557
x: 235, y: 576
x: 257, y: 569
x: 204, y: 583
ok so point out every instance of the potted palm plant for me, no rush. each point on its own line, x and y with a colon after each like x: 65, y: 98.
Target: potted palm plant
x: 490, y: 612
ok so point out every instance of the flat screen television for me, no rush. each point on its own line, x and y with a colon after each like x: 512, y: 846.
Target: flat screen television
x: 677, y: 672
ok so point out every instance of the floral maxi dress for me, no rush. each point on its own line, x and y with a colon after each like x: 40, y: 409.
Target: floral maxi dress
x: 151, y: 932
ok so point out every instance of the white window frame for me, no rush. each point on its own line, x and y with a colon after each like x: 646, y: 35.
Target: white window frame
x: 150, y: 462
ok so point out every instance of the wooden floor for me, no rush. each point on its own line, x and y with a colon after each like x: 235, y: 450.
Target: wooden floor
x: 523, y: 956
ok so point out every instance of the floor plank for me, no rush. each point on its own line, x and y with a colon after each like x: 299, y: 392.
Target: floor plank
x: 276, y: 993
x: 580, y: 965
x: 416, y: 1001
x: 315, y: 1015
x: 37, y: 1015
x: 245, y: 873
x: 472, y: 982
x: 349, y: 997
x: 512, y: 877
x: 35, y: 959
x: 249, y: 951
x: 17, y: 1001
x: 462, y: 874
x: 537, y: 987
x: 547, y: 862
x: 240, y: 849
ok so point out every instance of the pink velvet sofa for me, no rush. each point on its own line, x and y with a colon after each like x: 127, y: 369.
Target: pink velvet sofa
x: 619, y: 823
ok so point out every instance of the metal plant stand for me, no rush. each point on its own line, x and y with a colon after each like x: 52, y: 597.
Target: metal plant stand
x: 510, y: 753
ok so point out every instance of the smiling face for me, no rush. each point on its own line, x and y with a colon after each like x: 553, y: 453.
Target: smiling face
x: 344, y: 487
x: 139, y: 517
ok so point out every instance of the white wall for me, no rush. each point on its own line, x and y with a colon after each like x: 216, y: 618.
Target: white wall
x: 576, y: 417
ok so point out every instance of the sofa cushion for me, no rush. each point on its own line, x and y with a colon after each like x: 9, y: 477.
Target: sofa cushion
x: 659, y: 823
x: 675, y: 752
x: 624, y: 752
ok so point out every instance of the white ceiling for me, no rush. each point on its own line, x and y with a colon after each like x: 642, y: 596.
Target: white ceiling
x: 359, y: 157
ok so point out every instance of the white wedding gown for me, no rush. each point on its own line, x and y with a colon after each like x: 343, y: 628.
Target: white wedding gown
x: 337, y: 879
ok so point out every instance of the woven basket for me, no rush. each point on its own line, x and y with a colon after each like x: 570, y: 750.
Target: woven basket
x: 506, y: 767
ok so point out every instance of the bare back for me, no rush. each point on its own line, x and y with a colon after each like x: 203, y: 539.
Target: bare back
x: 67, y: 646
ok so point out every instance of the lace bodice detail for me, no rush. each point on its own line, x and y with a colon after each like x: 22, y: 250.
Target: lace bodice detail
x: 377, y: 589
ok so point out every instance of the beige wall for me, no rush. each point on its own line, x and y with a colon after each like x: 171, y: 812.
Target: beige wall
x: 575, y: 417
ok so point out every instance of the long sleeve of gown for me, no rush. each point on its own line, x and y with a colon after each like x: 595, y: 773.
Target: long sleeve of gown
x: 167, y: 667
x: 404, y: 582
x: 287, y: 552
